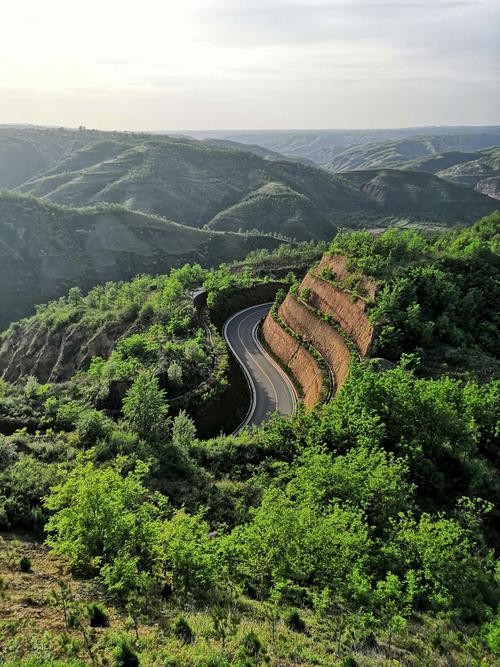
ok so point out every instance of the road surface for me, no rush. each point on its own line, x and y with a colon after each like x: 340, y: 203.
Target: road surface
x: 271, y: 389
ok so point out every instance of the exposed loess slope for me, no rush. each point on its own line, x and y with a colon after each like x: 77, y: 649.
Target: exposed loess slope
x: 328, y: 342
x: 296, y: 358
x: 350, y: 315
x: 54, y: 354
x: 329, y: 318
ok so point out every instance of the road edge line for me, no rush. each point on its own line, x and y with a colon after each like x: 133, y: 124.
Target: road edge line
x: 248, y: 377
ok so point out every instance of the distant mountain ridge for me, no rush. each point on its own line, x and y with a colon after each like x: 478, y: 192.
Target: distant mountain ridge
x: 397, y: 154
x: 479, y: 170
x: 200, y: 184
x: 322, y: 146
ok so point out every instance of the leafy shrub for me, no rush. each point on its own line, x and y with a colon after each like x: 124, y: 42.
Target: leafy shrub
x: 124, y: 655
x: 188, y: 554
x: 295, y: 621
x: 182, y: 630
x: 25, y: 564
x: 93, y: 426
x: 493, y: 635
x: 145, y: 409
x: 348, y: 661
x: 98, y: 615
x: 8, y: 452
x: 98, y: 513
x: 174, y: 373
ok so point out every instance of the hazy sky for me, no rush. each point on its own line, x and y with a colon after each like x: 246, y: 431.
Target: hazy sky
x: 228, y: 64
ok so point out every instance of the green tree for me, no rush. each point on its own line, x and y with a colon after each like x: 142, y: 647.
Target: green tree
x: 174, y: 373
x: 105, y: 521
x: 145, y: 409
x: 183, y: 431
x: 93, y: 426
x: 447, y: 569
x: 188, y: 556
x: 290, y: 540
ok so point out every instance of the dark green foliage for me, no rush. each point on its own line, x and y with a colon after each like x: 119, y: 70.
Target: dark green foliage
x: 362, y: 520
x: 294, y: 621
x: 436, y: 293
x: 137, y: 243
x: 124, y: 655
x: 182, y: 630
x: 98, y: 615
x: 145, y: 409
x: 91, y: 427
x: 25, y: 564
x: 348, y: 661
x: 22, y: 487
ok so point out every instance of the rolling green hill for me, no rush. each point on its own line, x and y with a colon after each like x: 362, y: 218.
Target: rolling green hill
x: 419, y: 195
x: 28, y: 150
x: 396, y: 154
x: 481, y: 173
x: 265, y: 209
x: 479, y: 170
x: 46, y: 249
x: 197, y: 184
x: 193, y: 182
x: 323, y: 146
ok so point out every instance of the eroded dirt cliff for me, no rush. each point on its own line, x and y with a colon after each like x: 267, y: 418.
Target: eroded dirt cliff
x: 320, y: 334
x: 327, y: 315
x: 295, y: 357
x: 55, y: 354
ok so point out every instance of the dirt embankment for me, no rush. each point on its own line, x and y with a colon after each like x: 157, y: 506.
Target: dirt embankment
x: 321, y: 335
x: 303, y: 366
x: 53, y: 354
x: 347, y: 313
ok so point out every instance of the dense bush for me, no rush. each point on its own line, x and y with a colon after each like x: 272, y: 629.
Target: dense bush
x: 98, y: 615
x: 435, y: 291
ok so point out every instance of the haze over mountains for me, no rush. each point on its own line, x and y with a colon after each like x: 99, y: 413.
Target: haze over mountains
x: 322, y: 146
x: 432, y: 149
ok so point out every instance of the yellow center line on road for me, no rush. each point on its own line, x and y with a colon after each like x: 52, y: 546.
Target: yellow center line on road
x: 253, y: 357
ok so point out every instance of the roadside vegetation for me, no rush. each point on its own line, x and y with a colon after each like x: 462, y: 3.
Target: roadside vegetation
x: 438, y: 294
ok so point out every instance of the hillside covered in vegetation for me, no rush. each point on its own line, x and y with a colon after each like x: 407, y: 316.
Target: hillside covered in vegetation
x: 368, y: 148
x: 225, y: 187
x: 360, y: 532
x: 437, y: 295
x: 45, y: 249
x: 397, y: 154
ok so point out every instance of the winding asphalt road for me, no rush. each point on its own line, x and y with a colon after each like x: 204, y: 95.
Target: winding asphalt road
x: 271, y: 389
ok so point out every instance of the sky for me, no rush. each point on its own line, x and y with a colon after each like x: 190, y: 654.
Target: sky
x: 167, y: 65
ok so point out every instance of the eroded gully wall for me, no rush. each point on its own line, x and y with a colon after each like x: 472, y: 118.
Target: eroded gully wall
x: 350, y: 316
x: 295, y: 357
x: 321, y: 335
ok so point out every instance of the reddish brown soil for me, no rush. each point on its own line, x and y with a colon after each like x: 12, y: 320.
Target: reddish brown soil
x: 321, y: 335
x: 296, y: 358
x: 348, y: 313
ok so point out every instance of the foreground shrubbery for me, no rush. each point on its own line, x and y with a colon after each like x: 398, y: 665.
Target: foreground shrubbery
x: 381, y: 513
